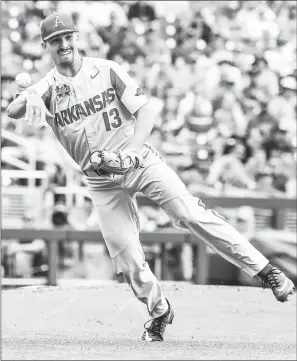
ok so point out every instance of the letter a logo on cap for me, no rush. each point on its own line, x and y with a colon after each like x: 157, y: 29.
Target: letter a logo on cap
x: 58, y: 21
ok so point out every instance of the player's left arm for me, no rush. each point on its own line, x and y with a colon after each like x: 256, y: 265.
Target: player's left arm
x: 136, y: 102
x: 144, y: 124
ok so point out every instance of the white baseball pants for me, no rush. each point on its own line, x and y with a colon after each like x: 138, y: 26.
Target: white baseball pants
x: 115, y: 201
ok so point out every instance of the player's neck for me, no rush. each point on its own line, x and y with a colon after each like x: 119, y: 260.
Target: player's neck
x: 72, y: 69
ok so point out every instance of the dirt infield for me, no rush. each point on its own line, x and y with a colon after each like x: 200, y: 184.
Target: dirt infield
x: 106, y: 322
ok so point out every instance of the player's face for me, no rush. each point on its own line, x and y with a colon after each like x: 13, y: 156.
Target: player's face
x: 63, y: 48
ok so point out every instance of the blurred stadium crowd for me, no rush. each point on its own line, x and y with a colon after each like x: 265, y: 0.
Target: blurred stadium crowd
x: 221, y: 76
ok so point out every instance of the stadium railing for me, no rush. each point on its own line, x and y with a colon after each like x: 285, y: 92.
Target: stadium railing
x: 17, y: 200
x: 29, y: 149
x: 174, y: 236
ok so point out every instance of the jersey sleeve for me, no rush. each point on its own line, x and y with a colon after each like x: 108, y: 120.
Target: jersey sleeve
x: 127, y: 90
x: 44, y: 89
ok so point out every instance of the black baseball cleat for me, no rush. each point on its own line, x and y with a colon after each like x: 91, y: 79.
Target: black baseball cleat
x: 280, y: 284
x: 157, y: 328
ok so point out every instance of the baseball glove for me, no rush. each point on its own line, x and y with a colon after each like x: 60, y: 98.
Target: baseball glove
x: 115, y: 163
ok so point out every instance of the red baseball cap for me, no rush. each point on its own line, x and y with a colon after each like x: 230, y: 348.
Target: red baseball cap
x: 56, y: 23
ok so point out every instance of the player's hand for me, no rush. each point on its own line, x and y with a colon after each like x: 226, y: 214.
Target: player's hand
x: 36, y: 111
x: 134, y: 156
x: 115, y: 163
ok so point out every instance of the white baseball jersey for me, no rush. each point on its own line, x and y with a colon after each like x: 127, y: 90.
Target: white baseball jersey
x: 92, y: 110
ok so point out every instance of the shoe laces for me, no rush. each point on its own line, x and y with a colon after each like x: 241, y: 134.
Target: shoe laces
x: 158, y: 324
x: 270, y: 279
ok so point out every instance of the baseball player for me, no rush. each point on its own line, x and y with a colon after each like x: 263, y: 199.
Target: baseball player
x: 102, y: 118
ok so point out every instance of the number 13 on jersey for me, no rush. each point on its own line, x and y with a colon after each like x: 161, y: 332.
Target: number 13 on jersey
x: 112, y: 119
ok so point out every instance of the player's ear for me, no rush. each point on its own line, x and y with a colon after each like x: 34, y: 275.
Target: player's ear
x: 43, y: 45
x: 77, y: 35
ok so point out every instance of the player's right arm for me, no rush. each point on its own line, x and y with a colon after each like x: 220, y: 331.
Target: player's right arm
x: 17, y: 108
x: 31, y: 103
